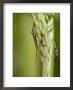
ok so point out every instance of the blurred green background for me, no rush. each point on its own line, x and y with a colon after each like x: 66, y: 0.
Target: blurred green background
x: 24, y: 50
x: 57, y: 40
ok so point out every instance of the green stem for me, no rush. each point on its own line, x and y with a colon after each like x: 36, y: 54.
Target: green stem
x: 51, y: 70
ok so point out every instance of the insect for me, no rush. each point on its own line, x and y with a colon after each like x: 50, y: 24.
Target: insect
x: 56, y: 51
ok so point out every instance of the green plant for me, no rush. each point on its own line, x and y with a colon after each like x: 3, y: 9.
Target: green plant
x: 43, y: 35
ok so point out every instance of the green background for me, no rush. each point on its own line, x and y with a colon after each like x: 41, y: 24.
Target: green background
x: 57, y: 40
x: 25, y: 63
